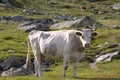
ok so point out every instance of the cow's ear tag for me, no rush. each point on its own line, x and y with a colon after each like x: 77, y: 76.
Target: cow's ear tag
x: 78, y: 34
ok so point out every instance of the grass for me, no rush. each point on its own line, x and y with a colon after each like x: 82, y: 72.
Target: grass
x: 12, y: 39
x: 108, y: 71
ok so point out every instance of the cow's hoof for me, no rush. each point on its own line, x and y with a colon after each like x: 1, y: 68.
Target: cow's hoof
x: 38, y: 75
x: 74, y: 76
x: 63, y: 76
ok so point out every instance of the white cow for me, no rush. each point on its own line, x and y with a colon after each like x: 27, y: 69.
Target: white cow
x: 68, y: 44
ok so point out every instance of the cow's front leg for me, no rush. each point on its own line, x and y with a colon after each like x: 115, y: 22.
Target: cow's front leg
x: 74, y: 69
x: 75, y: 61
x: 65, y: 65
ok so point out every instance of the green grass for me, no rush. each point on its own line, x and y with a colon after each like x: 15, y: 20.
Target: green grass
x: 108, y: 70
x: 13, y: 39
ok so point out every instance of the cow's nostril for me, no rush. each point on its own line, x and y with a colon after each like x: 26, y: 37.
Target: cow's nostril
x: 87, y: 45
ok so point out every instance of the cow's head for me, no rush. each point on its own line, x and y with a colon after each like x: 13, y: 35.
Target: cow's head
x: 85, y: 36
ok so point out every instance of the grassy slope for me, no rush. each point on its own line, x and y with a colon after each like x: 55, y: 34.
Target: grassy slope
x: 109, y: 71
x: 11, y: 38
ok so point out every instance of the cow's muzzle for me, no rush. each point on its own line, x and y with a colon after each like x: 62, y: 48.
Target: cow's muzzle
x: 87, y: 45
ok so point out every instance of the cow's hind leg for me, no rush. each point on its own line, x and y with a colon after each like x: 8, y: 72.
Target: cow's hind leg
x: 38, y: 66
x: 37, y: 61
x: 65, y: 65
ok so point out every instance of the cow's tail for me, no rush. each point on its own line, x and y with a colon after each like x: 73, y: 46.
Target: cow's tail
x: 28, y: 56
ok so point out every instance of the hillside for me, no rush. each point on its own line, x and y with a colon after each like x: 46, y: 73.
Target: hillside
x: 100, y: 11
x: 14, y: 41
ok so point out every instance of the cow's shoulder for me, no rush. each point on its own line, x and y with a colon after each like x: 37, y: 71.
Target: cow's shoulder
x: 35, y: 32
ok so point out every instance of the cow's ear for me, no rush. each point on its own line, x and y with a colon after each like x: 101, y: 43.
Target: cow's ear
x: 94, y: 34
x: 78, y: 33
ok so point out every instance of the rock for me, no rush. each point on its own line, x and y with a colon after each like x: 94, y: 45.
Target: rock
x: 11, y: 61
x: 116, y: 6
x: 106, y: 57
x: 95, y: 0
x: 17, y: 18
x: 11, y: 51
x: 6, y: 2
x: 86, y: 22
x: 1, y: 1
x: 100, y: 12
x: 102, y: 56
x: 33, y: 11
x: 66, y: 24
x: 106, y: 43
x: 16, y: 67
x: 41, y: 24
x: 64, y: 17
x: 21, y: 71
x: 113, y: 45
x: 116, y: 27
x: 105, y: 47
x: 5, y: 19
x: 103, y: 17
x: 99, y: 46
x: 93, y: 66
x: 13, y: 18
x: 16, y: 72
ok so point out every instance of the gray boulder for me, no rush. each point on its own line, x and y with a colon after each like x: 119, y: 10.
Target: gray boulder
x: 11, y: 61
x: 105, y: 57
x: 12, y: 18
x: 64, y: 17
x: 6, y: 2
x: 32, y: 11
x: 17, y: 18
x: 17, y: 72
x: 86, y: 22
x: 95, y: 0
x: 102, y: 58
x: 22, y: 71
x: 41, y: 24
x: 66, y: 24
x: 116, y: 6
x: 116, y: 27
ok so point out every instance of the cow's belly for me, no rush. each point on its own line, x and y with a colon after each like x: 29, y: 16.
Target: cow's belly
x: 53, y: 50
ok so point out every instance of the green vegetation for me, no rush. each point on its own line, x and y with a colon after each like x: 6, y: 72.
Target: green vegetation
x: 108, y: 71
x: 13, y: 39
